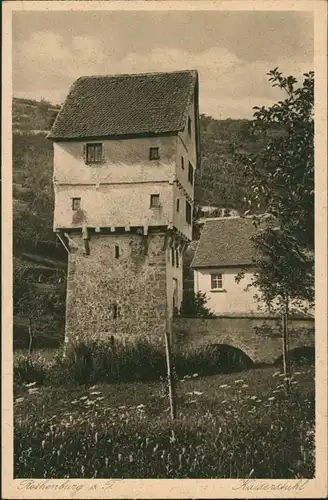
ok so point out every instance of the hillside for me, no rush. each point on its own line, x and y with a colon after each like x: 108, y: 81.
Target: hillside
x: 38, y: 255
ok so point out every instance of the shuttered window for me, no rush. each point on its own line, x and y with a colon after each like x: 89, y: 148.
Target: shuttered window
x: 93, y: 153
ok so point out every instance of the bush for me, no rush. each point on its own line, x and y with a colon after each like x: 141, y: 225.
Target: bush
x: 90, y: 363
x: 194, y: 305
x: 27, y: 370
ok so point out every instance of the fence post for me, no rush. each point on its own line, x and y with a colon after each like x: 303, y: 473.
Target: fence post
x: 170, y: 375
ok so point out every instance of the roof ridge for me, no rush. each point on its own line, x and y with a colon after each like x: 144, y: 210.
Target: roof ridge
x: 129, y: 75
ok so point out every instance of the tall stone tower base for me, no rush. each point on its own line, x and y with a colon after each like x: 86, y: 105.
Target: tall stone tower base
x: 121, y: 287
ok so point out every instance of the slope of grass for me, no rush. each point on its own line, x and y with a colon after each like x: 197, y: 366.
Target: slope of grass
x: 227, y: 426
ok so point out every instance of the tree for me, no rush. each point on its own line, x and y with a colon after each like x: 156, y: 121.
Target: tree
x: 34, y: 303
x: 194, y: 305
x: 280, y: 182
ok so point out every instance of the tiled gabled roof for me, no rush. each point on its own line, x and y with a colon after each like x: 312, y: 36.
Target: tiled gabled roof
x: 149, y: 103
x: 225, y: 242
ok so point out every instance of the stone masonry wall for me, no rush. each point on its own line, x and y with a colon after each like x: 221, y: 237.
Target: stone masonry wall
x: 258, y: 337
x: 134, y: 283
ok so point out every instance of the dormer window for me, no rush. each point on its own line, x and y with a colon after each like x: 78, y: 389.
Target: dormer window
x: 154, y: 153
x: 93, y: 153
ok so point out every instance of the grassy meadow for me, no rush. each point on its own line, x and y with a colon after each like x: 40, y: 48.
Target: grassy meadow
x: 228, y: 426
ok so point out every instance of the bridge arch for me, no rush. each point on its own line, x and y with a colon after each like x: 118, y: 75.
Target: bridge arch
x: 227, y: 358
x: 258, y: 337
x: 299, y: 354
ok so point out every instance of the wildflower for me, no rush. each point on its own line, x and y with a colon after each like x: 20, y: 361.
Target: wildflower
x: 271, y: 399
x: 195, y: 375
x: 223, y: 386
x: 131, y: 458
x: 95, y: 393
x: 33, y: 390
x: 141, y: 406
x: 193, y: 401
x: 259, y: 400
x: 74, y: 402
x: 244, y: 386
x: 43, y: 443
x: 19, y: 400
x: 297, y: 373
x: 224, y: 401
x: 172, y: 438
x: 106, y: 461
x: 198, y: 393
x: 238, y: 381
x: 31, y: 384
x: 102, y: 397
x: 83, y: 398
x: 294, y: 382
x: 121, y: 407
x: 253, y: 397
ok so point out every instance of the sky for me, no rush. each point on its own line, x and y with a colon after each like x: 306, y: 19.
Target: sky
x: 232, y: 51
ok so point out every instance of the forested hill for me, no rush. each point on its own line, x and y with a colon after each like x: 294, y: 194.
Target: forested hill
x: 37, y: 253
x: 220, y: 181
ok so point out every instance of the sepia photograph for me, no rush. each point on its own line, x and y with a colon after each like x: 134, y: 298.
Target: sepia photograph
x: 164, y: 321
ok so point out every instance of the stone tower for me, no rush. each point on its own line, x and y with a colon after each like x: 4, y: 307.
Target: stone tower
x: 125, y: 152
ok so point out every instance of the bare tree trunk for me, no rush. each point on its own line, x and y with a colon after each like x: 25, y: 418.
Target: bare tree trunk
x: 31, y: 337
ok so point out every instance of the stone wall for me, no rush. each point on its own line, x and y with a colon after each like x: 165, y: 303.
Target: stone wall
x: 131, y: 286
x: 258, y: 337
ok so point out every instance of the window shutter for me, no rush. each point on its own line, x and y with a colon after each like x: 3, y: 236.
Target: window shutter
x: 84, y: 153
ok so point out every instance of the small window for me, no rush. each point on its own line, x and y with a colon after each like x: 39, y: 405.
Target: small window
x: 154, y: 200
x: 178, y: 204
x: 154, y: 153
x: 182, y: 162
x: 172, y: 256
x: 116, y: 310
x: 177, y: 258
x: 191, y: 173
x: 189, y: 125
x: 76, y: 203
x: 216, y: 281
x: 188, y: 212
x: 117, y: 251
x: 94, y: 152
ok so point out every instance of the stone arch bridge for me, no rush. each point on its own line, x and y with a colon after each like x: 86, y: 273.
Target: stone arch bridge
x: 258, y: 337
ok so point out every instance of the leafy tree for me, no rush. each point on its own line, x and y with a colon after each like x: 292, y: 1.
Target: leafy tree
x: 280, y: 182
x: 194, y: 305
x: 33, y: 302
